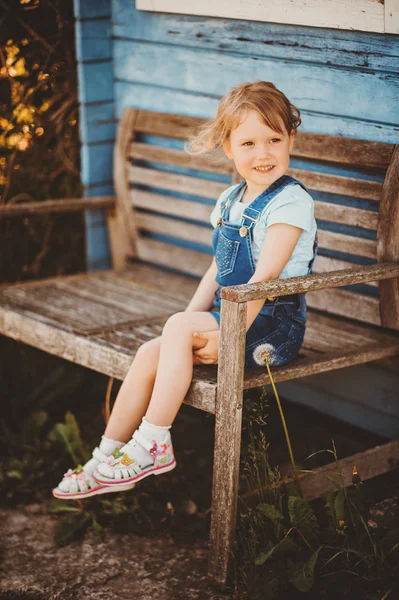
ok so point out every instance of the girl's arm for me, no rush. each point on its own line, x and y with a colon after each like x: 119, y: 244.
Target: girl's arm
x: 278, y: 246
x: 205, y: 293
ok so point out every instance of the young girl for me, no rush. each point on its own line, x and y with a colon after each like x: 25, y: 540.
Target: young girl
x: 264, y: 228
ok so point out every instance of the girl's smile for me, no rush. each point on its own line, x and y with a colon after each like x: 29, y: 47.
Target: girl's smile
x: 261, y: 155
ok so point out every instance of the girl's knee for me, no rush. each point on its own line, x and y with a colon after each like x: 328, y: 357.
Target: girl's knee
x: 150, y: 348
x: 176, y: 322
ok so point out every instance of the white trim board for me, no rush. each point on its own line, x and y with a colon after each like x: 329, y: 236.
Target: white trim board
x: 358, y: 15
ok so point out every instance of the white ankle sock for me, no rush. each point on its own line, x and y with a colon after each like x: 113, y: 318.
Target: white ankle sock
x: 107, y: 445
x: 153, y: 432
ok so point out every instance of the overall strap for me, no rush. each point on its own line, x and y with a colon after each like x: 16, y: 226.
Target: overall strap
x: 252, y: 213
x: 227, y: 202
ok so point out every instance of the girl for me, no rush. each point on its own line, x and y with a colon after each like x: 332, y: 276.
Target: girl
x: 264, y: 228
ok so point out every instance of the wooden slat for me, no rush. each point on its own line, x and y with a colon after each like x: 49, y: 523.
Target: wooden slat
x: 187, y: 231
x: 346, y: 215
x: 343, y: 150
x: 56, y: 206
x: 84, y: 305
x: 337, y: 184
x: 172, y: 256
x: 176, y: 183
x: 308, y: 283
x: 170, y: 156
x: 388, y: 243
x: 349, y: 244
x: 369, y: 463
x: 324, y: 264
x: 307, y: 145
x: 337, y: 149
x: 167, y: 205
x: 182, y: 231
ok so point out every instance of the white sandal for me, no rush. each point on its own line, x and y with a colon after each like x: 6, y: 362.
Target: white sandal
x: 79, y: 484
x: 120, y: 470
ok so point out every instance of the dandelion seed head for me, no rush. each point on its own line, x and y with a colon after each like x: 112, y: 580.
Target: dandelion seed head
x: 264, y: 352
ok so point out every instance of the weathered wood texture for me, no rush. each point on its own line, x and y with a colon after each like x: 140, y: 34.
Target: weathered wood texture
x: 113, y: 315
x: 56, y: 206
x: 226, y: 464
x: 388, y: 243
x: 364, y: 15
x: 171, y: 205
x: 368, y: 464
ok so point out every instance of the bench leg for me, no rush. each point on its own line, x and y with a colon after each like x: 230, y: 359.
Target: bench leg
x: 228, y: 423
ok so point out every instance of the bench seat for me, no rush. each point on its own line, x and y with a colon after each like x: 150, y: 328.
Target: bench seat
x: 100, y: 319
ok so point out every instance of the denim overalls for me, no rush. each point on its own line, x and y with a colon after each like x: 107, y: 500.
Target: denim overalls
x: 279, y: 328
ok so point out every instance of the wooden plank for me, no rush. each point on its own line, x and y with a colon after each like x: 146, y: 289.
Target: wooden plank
x: 329, y: 148
x: 189, y: 209
x: 368, y: 464
x: 331, y: 89
x: 170, y: 156
x: 349, y: 244
x: 388, y: 243
x: 336, y: 184
x: 391, y: 17
x: 93, y: 354
x: 346, y: 215
x: 307, y: 365
x: 343, y: 49
x: 56, y: 206
x: 307, y: 283
x: 324, y: 264
x: 364, y: 15
x: 177, y: 229
x: 88, y: 10
x: 347, y: 304
x: 200, y: 102
x: 122, y: 226
x: 175, y: 183
x: 199, y: 211
x: 187, y: 231
x: 169, y: 255
x: 228, y: 419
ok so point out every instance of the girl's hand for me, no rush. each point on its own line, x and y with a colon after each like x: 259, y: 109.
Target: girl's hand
x: 205, y: 347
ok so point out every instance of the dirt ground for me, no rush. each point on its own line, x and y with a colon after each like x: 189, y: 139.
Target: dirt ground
x: 122, y: 567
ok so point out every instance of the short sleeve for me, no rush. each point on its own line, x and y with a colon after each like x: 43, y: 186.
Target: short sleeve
x: 215, y: 214
x: 295, y: 210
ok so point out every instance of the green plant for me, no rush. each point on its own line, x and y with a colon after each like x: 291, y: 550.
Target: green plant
x: 288, y: 545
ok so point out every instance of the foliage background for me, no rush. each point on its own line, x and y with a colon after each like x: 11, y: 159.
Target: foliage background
x: 39, y: 141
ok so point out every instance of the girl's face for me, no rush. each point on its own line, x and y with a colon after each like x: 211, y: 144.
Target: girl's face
x: 254, y: 148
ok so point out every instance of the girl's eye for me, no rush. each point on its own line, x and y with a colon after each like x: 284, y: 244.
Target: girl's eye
x: 273, y: 140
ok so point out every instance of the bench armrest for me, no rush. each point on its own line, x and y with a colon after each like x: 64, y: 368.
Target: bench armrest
x: 56, y: 206
x: 308, y: 283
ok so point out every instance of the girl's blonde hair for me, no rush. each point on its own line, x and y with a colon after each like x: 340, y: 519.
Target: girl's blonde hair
x: 263, y: 96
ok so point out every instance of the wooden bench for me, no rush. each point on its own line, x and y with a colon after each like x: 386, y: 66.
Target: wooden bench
x: 163, y: 202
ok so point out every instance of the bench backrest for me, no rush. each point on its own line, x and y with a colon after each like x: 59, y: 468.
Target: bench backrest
x: 165, y: 197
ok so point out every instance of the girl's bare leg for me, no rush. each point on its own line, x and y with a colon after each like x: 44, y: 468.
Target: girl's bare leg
x: 159, y: 377
x: 175, y: 366
x: 135, y: 393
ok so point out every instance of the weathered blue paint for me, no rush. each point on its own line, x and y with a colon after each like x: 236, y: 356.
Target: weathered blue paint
x: 344, y: 83
x: 97, y: 117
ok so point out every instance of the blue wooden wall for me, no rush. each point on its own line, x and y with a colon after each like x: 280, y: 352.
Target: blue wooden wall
x: 344, y: 83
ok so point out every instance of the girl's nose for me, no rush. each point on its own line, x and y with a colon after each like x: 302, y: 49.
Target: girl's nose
x: 264, y: 151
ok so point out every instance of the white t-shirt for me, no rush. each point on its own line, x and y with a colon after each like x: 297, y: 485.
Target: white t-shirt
x: 293, y: 205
